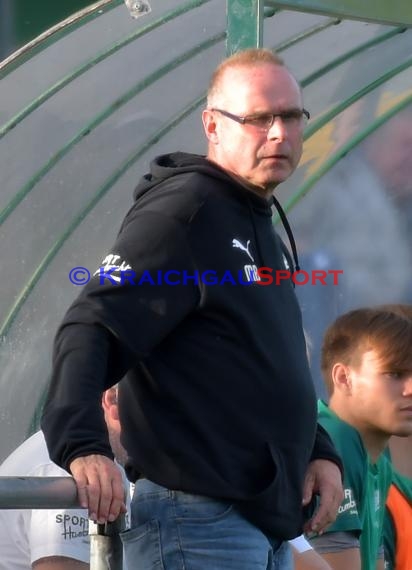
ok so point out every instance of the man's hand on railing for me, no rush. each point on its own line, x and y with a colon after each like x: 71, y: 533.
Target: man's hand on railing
x: 100, y: 487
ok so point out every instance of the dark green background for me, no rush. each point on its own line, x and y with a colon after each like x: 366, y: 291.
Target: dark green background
x: 23, y: 20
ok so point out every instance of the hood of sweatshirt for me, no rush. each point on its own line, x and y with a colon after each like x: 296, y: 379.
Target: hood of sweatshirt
x: 166, y: 166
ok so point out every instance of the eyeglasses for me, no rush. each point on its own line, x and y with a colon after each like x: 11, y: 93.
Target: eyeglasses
x: 264, y: 121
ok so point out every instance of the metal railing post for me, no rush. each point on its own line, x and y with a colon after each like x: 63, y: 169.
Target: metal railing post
x: 106, y: 549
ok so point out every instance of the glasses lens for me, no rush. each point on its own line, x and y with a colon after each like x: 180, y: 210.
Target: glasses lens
x: 262, y: 122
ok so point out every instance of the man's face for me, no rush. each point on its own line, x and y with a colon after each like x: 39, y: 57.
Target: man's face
x: 381, y: 397
x: 259, y: 157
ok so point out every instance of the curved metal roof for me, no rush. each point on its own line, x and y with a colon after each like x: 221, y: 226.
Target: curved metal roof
x: 84, y: 108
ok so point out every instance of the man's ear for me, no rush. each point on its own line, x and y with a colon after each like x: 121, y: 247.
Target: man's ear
x: 109, y: 402
x: 341, y: 377
x: 209, y: 124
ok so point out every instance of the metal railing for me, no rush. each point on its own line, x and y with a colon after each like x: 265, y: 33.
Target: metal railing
x: 106, y: 551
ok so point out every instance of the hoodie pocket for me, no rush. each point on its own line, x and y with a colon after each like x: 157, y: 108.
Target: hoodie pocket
x: 277, y: 509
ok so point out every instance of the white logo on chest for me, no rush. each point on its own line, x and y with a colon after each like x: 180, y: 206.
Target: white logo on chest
x: 238, y: 244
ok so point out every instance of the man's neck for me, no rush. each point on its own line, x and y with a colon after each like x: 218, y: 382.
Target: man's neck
x: 373, y: 439
x: 374, y: 442
x: 265, y: 193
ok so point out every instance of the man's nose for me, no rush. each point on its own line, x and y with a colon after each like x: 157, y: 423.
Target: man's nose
x: 278, y: 130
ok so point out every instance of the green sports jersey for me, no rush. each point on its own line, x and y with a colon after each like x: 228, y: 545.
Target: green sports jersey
x: 366, y: 486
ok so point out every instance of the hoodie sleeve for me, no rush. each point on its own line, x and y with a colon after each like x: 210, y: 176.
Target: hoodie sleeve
x: 324, y: 448
x: 131, y: 304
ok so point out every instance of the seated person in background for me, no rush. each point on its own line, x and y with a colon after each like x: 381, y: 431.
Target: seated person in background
x: 49, y: 539
x: 367, y: 368
x: 398, y: 517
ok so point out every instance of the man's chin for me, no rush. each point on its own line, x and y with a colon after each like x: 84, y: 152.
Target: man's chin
x: 274, y: 181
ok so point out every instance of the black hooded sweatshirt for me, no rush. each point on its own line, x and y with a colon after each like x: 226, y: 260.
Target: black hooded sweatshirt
x: 217, y: 397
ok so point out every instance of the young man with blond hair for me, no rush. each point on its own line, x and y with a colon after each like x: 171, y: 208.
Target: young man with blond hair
x: 367, y: 368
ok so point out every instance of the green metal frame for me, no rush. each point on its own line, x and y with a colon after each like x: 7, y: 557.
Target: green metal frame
x: 245, y: 17
x: 244, y: 24
x: 55, y: 33
x: 245, y: 20
x: 141, y: 150
x: 102, y: 116
x: 393, y: 12
x: 22, y: 193
x: 59, y: 85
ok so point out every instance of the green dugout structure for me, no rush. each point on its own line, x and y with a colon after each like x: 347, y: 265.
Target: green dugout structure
x: 85, y: 106
x: 21, y: 20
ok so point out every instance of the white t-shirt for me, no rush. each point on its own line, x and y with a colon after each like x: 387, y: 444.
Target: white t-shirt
x: 27, y: 535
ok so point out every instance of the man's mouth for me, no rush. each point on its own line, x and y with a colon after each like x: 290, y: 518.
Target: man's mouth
x: 278, y: 156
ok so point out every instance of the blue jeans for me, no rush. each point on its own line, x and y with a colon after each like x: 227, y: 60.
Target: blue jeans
x: 172, y: 530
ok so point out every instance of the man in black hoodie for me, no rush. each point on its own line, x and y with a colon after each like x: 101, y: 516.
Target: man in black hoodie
x: 217, y: 405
